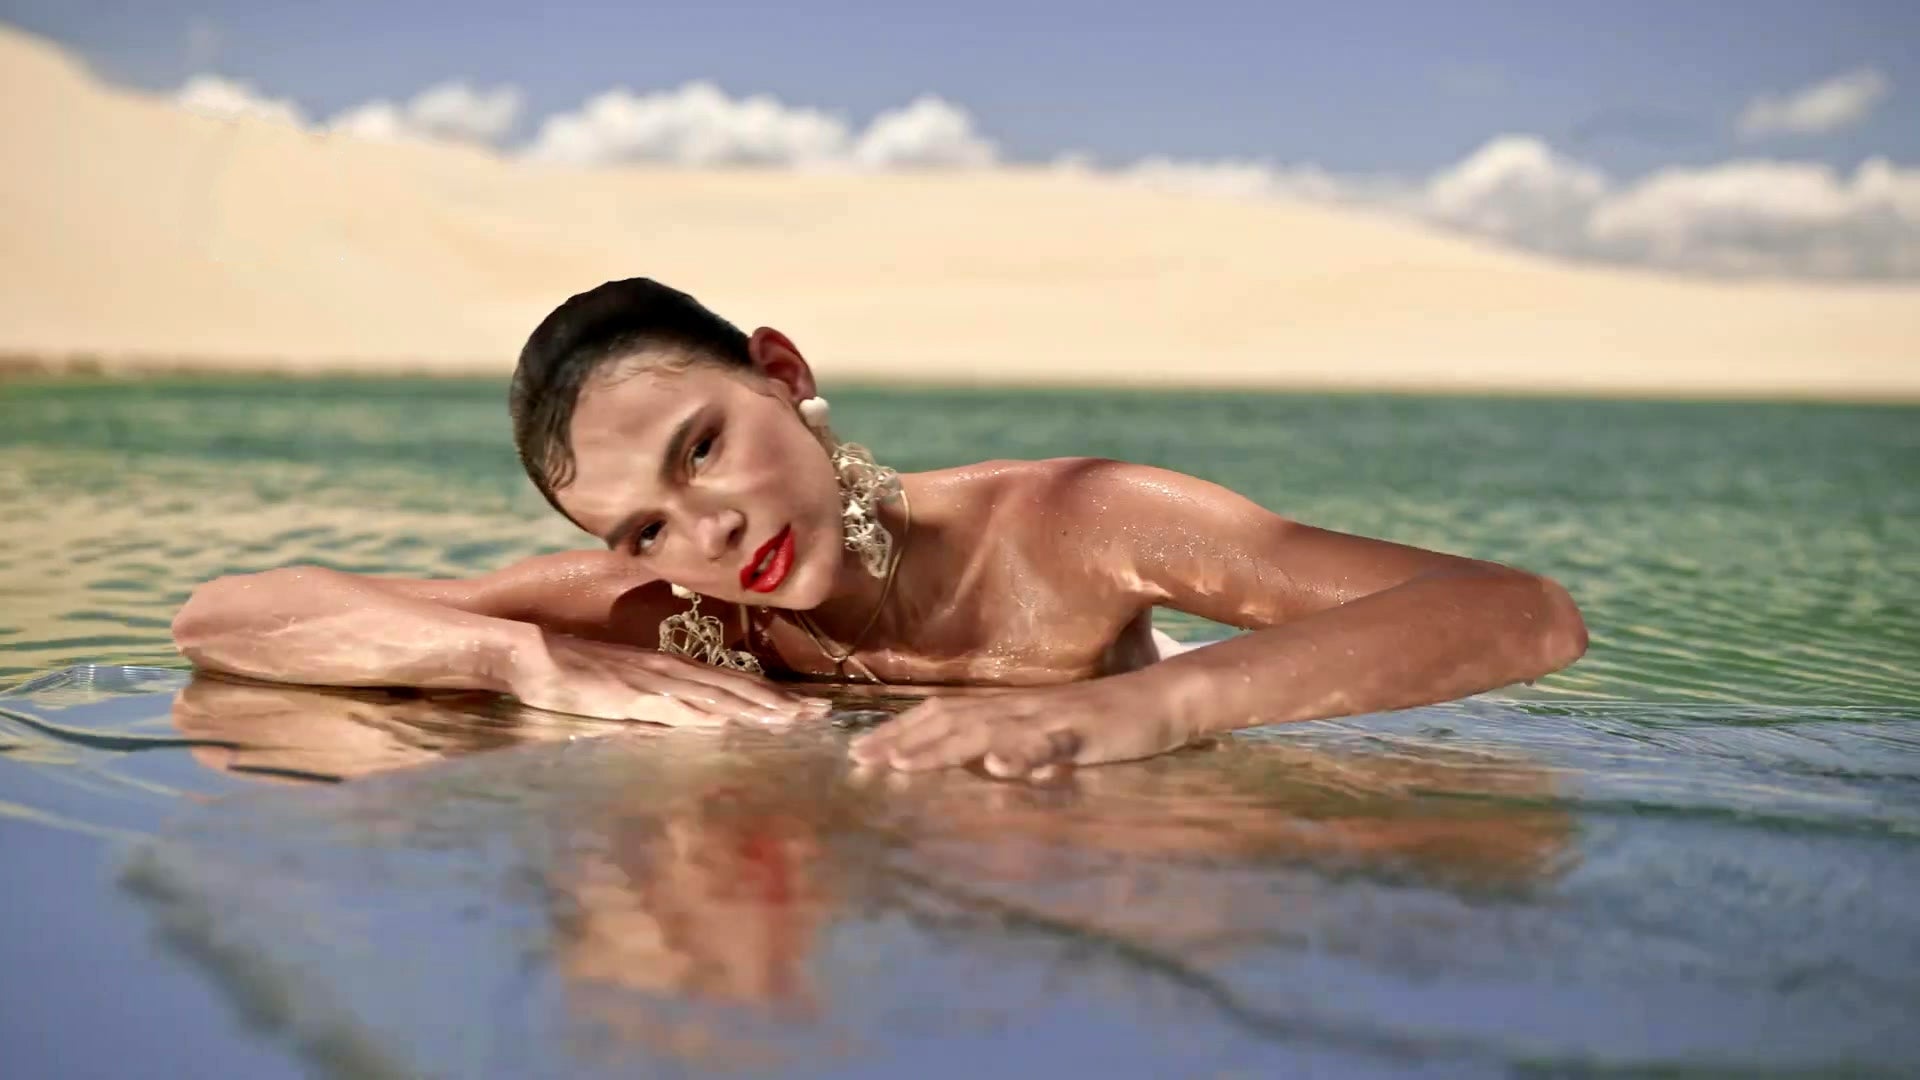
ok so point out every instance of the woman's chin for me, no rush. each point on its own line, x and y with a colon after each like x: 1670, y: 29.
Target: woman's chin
x: 806, y: 588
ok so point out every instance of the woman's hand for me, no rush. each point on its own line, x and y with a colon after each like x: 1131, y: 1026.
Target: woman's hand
x: 619, y: 682
x: 1026, y: 733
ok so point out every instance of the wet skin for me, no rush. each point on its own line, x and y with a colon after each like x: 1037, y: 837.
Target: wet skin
x: 1037, y: 576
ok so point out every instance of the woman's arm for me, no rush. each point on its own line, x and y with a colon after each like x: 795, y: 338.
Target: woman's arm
x: 1340, y: 625
x: 572, y: 632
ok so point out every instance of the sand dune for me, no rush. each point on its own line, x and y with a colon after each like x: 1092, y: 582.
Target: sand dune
x: 138, y: 234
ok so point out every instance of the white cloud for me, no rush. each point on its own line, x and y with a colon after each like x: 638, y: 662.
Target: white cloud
x: 1227, y: 177
x: 445, y: 112
x: 1757, y: 217
x: 928, y: 132
x: 1835, y: 103
x: 1746, y: 217
x: 1752, y: 217
x: 1517, y: 188
x: 451, y: 111
x: 455, y: 110
x: 228, y: 99
x: 1076, y: 162
x: 379, y: 121
x: 1244, y: 179
x: 698, y: 124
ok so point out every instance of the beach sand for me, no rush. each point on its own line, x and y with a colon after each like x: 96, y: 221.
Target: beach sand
x: 141, y: 236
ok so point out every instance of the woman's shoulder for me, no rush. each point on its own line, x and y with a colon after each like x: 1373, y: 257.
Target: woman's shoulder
x: 1034, y: 490
x: 1039, y: 476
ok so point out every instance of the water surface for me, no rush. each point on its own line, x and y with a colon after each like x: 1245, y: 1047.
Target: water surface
x: 1694, y: 852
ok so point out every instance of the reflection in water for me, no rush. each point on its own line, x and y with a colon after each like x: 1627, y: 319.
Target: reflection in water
x: 1738, y: 750
x: 307, y: 733
x: 692, y: 872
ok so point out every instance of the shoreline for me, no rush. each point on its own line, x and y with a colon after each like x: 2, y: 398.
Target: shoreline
x: 17, y: 369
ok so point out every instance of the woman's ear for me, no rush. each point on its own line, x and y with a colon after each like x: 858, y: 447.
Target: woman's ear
x: 775, y: 357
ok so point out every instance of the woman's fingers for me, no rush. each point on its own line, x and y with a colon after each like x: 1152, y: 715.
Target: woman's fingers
x: 662, y: 709
x: 934, y: 730
x: 1015, y: 752
x: 1034, y: 755
x: 727, y: 693
x: 693, y: 691
x: 922, y: 721
x: 1005, y: 764
x: 744, y: 687
x: 1006, y: 743
x: 918, y: 732
x: 955, y: 740
x: 630, y: 695
x: 641, y: 666
x: 720, y: 702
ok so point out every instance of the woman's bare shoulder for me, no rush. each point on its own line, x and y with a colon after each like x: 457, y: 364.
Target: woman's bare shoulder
x: 1038, y: 478
x: 1076, y: 497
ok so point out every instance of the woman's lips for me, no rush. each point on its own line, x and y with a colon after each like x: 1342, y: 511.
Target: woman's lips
x: 753, y: 579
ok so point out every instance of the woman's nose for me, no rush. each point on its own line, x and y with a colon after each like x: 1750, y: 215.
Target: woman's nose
x: 719, y: 532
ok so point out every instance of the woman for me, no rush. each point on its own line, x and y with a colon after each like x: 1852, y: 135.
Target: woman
x: 703, y: 459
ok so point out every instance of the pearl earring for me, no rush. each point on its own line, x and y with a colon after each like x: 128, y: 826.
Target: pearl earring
x: 864, y: 485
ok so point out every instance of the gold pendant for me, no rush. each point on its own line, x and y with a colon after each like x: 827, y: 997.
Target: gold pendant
x: 702, y: 639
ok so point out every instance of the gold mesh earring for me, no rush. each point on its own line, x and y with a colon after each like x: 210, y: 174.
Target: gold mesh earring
x: 864, y: 485
x: 702, y: 639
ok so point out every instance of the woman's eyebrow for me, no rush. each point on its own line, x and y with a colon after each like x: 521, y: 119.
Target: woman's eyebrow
x: 676, y: 446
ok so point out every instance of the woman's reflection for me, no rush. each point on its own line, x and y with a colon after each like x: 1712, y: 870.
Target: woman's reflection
x: 705, y: 868
x: 300, y: 733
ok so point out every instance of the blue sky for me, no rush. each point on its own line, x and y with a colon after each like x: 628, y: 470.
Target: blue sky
x: 1400, y: 87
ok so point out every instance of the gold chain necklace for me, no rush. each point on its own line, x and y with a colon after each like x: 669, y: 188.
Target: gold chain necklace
x: 840, y: 660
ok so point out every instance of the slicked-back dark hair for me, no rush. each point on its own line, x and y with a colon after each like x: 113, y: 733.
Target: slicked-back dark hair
x: 618, y: 320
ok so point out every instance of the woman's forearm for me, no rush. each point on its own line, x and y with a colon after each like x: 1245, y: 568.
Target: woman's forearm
x: 1435, y: 638
x: 317, y: 626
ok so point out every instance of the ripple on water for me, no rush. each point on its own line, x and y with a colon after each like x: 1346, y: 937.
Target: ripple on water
x: 1479, y: 888
x: 1721, y: 553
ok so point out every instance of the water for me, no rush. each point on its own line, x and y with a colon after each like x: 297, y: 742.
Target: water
x: 1694, y: 852
x: 1745, y: 553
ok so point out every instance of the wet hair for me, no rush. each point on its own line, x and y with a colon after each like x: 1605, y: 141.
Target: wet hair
x: 616, y: 321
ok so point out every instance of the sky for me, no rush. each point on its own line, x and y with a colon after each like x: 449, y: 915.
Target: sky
x: 1388, y: 99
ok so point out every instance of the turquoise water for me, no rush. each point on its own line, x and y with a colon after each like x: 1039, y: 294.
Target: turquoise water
x: 1747, y: 553
x: 1695, y: 851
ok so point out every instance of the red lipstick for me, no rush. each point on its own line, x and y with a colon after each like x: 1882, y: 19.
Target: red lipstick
x: 776, y: 556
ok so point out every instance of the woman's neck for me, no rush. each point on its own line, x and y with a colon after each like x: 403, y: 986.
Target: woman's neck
x: 858, y: 595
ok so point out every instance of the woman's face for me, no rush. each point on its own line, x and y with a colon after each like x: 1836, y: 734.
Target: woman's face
x: 708, y: 476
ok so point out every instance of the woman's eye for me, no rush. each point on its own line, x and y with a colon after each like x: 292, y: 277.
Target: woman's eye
x: 701, y: 450
x: 644, y: 538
